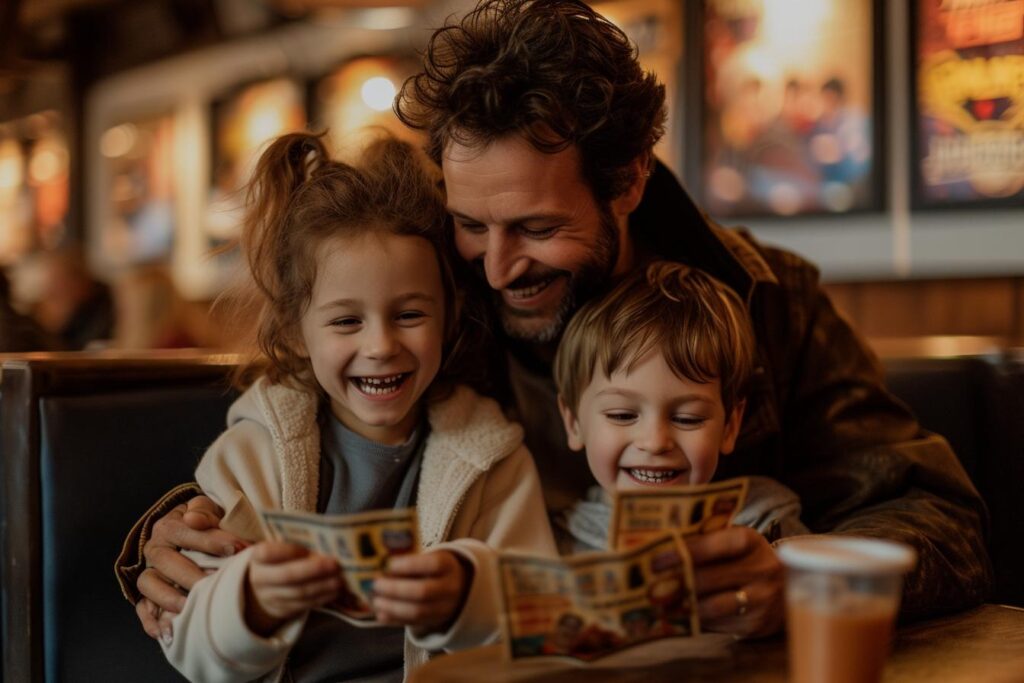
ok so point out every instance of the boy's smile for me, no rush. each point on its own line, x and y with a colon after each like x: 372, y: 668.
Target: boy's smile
x: 645, y: 426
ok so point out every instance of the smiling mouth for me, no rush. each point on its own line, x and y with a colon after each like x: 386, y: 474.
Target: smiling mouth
x: 533, y: 290
x: 646, y: 476
x: 380, y: 386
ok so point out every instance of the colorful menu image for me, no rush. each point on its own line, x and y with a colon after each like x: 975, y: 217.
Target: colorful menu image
x: 590, y: 605
x: 969, y: 58
x: 362, y: 544
x: 644, y: 514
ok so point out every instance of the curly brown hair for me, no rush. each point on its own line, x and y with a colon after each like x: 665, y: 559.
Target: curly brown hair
x: 298, y: 198
x: 553, y: 71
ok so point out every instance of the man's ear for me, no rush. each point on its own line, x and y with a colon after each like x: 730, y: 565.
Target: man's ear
x: 732, y: 427
x: 626, y: 203
x: 572, y: 426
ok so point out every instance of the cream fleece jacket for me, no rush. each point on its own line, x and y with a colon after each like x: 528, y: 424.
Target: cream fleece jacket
x: 478, y: 489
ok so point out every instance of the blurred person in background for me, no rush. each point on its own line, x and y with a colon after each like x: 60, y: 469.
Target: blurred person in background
x: 152, y: 314
x: 20, y: 333
x: 73, y: 305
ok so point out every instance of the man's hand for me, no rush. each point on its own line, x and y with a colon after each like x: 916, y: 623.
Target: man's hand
x: 425, y: 591
x: 739, y: 582
x: 285, y: 580
x: 169, y: 574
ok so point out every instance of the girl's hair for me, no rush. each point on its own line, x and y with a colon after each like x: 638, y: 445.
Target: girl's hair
x: 698, y: 323
x: 298, y: 198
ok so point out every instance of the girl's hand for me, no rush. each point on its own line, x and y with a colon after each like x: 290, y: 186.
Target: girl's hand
x: 425, y: 591
x: 285, y: 580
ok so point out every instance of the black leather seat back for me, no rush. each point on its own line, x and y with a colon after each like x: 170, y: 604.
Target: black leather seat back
x: 975, y: 403
x: 87, y: 444
x: 104, y: 459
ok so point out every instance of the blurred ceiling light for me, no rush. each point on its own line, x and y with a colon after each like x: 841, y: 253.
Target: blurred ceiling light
x: 387, y: 18
x: 118, y: 141
x: 378, y: 93
x: 264, y: 124
x: 372, y: 19
x: 46, y: 163
x: 10, y: 165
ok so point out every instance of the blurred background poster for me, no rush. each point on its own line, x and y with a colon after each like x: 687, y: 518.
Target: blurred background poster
x: 33, y: 185
x: 788, y: 106
x: 243, y: 122
x: 141, y: 221
x: 970, y: 101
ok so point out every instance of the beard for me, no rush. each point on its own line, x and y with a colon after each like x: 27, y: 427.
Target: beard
x: 589, y: 279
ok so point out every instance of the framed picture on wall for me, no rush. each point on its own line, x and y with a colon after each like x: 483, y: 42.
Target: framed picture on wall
x: 355, y: 98
x: 244, y: 121
x: 968, y: 104
x: 140, y: 197
x: 33, y: 185
x: 787, y: 102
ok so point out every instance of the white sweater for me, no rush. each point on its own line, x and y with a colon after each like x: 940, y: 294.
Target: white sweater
x: 478, y: 484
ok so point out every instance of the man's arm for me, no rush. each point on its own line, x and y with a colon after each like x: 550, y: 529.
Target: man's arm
x: 152, y: 572
x: 860, y: 462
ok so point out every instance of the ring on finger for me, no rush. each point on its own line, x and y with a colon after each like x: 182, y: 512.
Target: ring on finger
x: 742, y: 602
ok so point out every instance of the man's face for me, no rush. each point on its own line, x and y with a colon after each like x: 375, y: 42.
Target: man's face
x: 533, y: 229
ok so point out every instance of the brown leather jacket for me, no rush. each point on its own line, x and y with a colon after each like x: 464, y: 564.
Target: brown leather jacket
x: 818, y: 416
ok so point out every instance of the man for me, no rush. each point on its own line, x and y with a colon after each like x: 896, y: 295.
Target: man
x: 544, y: 125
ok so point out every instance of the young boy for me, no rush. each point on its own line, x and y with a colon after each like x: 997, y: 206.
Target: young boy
x: 651, y: 380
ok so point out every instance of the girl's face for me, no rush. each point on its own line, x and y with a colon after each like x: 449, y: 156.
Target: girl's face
x: 374, y: 330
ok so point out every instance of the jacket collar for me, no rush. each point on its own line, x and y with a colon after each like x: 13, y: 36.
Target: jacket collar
x: 668, y: 223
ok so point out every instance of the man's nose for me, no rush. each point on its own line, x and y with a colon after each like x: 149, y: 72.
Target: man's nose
x: 503, y: 262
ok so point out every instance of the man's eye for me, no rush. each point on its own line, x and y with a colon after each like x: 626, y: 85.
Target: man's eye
x: 540, y: 233
x: 474, y: 228
x: 621, y: 416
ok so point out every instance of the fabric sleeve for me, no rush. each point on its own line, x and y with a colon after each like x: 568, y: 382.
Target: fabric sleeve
x: 130, y: 562
x: 511, y: 516
x: 211, y: 639
x: 861, y: 464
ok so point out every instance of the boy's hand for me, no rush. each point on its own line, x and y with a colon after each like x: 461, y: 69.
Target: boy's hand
x: 285, y: 580
x: 425, y: 591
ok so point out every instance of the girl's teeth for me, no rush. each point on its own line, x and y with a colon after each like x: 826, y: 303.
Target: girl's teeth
x: 653, y: 476
x: 377, y: 386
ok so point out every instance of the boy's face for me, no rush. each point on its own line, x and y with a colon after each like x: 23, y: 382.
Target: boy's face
x: 648, y: 427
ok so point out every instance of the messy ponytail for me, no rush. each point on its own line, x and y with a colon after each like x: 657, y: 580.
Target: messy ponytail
x: 298, y: 198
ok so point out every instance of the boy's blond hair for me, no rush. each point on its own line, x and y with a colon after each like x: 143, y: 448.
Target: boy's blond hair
x: 700, y: 325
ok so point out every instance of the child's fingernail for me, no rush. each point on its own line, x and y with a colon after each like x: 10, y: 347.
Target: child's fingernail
x: 229, y: 550
x: 166, y: 634
x: 240, y: 546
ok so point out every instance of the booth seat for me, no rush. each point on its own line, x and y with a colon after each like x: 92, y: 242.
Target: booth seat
x: 977, y: 403
x: 88, y: 443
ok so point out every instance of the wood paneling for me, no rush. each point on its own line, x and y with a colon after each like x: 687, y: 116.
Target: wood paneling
x: 990, y: 307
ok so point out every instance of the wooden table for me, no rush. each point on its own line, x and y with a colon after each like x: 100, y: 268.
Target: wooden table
x: 982, y: 645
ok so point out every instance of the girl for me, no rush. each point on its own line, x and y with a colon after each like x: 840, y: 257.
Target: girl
x: 359, y: 407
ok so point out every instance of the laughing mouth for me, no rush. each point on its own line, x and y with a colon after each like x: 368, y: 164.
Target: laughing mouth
x: 530, y: 291
x: 380, y: 386
x: 645, y: 476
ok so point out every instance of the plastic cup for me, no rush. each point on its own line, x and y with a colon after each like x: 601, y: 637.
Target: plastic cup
x: 842, y: 595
